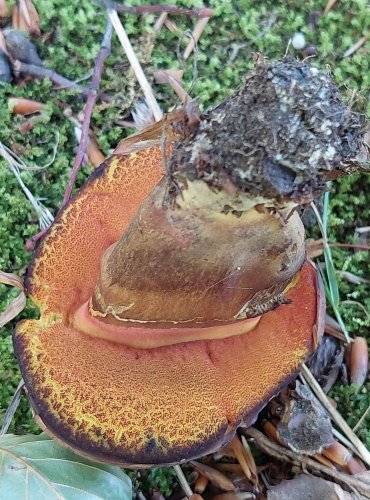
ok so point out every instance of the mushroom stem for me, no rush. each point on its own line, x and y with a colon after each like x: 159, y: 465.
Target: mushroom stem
x: 219, y: 238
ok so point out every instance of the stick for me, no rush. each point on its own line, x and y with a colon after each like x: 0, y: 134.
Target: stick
x: 183, y: 481
x: 170, y: 9
x: 131, y: 56
x: 40, y: 72
x: 285, y: 455
x: 90, y: 103
x: 335, y: 415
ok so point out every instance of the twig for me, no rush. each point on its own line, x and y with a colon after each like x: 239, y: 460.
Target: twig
x: 90, y: 103
x: 31, y: 243
x: 335, y: 415
x: 183, y: 481
x: 283, y: 454
x: 170, y: 9
x: 349, y: 245
x: 136, y: 66
x: 40, y: 72
x: 356, y: 46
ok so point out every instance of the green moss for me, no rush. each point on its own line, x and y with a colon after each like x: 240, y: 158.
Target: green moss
x: 238, y: 29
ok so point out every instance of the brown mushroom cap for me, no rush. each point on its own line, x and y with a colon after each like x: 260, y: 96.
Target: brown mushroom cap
x: 132, y: 406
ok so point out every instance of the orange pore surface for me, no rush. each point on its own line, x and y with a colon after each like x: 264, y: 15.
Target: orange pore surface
x: 135, y: 406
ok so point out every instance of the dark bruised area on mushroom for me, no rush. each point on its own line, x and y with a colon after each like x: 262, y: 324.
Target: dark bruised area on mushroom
x: 244, y: 165
x: 282, y: 135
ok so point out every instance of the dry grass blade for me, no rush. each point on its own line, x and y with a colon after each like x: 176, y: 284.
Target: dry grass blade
x: 15, y: 307
x: 237, y: 448
x: 136, y: 66
x: 356, y: 46
x: 306, y: 463
x: 18, y: 304
x: 183, y: 481
x: 360, y: 422
x: 250, y: 461
x: 329, y: 6
x: 335, y: 415
x: 12, y: 408
x: 198, y: 30
x: 216, y: 477
x: 12, y: 280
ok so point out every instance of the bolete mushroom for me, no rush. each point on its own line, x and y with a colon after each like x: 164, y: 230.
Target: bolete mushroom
x: 175, y: 299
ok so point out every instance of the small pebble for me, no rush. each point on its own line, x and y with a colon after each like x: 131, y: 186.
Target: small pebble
x: 298, y: 41
x: 5, y: 72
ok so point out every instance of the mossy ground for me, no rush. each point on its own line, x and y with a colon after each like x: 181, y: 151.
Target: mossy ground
x: 71, y: 36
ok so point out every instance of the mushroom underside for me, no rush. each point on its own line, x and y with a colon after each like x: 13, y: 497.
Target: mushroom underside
x: 130, y: 406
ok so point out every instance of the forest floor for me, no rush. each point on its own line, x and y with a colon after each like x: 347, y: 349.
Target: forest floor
x: 71, y: 33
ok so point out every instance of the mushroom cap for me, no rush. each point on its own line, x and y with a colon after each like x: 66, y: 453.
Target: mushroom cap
x: 140, y: 407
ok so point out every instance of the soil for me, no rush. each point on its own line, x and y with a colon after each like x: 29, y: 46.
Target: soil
x: 282, y: 135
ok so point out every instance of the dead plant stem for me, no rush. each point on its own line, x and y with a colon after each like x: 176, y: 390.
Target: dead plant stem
x: 283, y: 454
x: 90, y: 103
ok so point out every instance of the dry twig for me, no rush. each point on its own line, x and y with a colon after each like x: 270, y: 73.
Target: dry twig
x: 41, y: 72
x: 170, y: 9
x: 91, y: 99
x: 335, y: 415
x: 306, y: 463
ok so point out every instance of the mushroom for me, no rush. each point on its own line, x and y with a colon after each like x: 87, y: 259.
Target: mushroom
x: 175, y: 299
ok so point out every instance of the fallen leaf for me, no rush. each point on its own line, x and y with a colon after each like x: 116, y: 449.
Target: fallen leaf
x: 216, y: 477
x: 304, y: 426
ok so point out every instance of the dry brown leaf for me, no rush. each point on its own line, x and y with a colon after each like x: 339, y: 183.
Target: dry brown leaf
x: 304, y: 426
x: 18, y: 304
x: 314, y: 248
x: 161, y: 76
x: 302, y: 485
x: 216, y: 477
x: 26, y: 17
